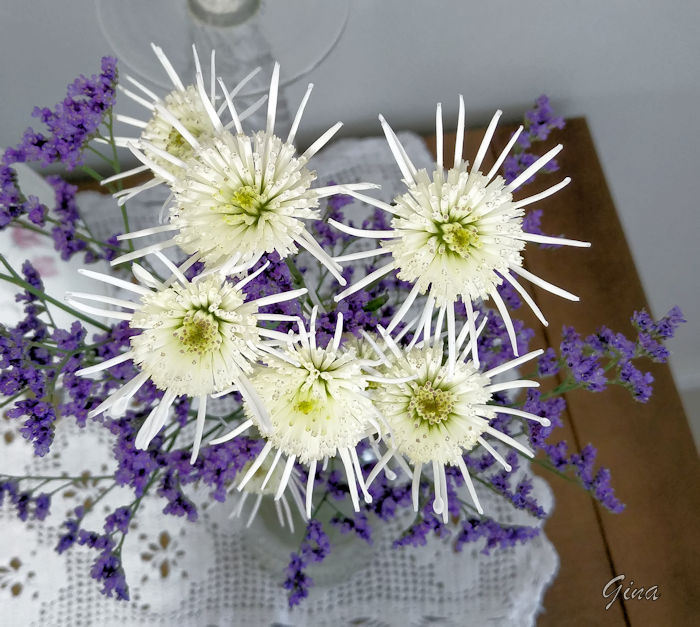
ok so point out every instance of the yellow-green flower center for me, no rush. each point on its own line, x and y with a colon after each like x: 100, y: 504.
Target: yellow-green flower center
x: 244, y: 205
x: 178, y: 146
x: 460, y: 239
x: 248, y: 198
x: 432, y: 405
x: 305, y: 406
x: 199, y: 333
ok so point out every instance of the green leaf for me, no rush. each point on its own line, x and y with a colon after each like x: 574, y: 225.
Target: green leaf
x: 376, y: 303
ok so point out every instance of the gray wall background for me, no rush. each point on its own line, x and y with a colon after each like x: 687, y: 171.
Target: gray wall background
x: 631, y: 67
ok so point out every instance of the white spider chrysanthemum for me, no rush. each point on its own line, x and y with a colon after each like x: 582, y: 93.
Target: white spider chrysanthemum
x: 318, y: 406
x: 238, y: 196
x: 184, y: 107
x: 265, y: 482
x: 441, y: 410
x: 457, y: 235
x: 197, y: 338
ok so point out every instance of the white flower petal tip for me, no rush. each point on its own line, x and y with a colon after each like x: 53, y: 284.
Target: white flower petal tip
x: 264, y: 482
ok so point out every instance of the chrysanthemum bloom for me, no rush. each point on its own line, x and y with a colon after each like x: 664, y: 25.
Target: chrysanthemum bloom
x: 239, y: 196
x: 264, y: 482
x: 184, y: 107
x: 440, y: 409
x: 458, y: 234
x: 196, y: 339
x: 317, y: 402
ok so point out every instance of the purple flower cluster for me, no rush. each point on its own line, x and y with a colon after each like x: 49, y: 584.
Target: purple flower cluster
x: 539, y: 123
x: 496, y: 534
x: 548, y: 363
x: 71, y: 123
x: 118, y: 520
x: 387, y: 497
x: 107, y: 568
x: 29, y: 367
x: 66, y: 211
x: 582, y: 358
x: 277, y: 278
x: 652, y: 333
x: 65, y: 216
x: 583, y: 365
x: 13, y: 204
x: 357, y: 523
x: 426, y: 523
x: 326, y: 235
x: 598, y: 484
x: 25, y: 502
x: 520, y: 496
x: 315, y: 547
x: 178, y: 504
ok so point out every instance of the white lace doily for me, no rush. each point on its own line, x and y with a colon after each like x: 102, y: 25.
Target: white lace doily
x: 209, y: 573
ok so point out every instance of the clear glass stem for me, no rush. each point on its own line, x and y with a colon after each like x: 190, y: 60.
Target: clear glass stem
x: 223, y: 12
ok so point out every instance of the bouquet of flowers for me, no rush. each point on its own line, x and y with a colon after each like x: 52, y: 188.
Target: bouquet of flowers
x: 353, y: 389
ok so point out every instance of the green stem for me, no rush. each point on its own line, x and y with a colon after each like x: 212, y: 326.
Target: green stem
x: 43, y: 296
x: 299, y: 281
x: 85, y: 238
x: 100, y: 155
x: 15, y: 279
x: 12, y: 398
x: 117, y: 170
x: 58, y: 477
x: 318, y: 507
x: 38, y: 485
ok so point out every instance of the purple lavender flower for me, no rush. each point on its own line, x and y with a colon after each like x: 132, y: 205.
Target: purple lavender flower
x: 11, y: 199
x: 497, y: 535
x: 358, y: 524
x: 539, y: 123
x: 66, y: 211
x: 38, y: 427
x: 108, y: 570
x: 70, y: 537
x: 417, y: 534
x: 71, y: 123
x: 548, y: 363
x: 326, y: 235
x: 636, y: 381
x: 584, y: 367
x: 118, y: 520
x: 178, y: 503
x: 297, y: 582
x: 314, y: 547
x: 42, y: 505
